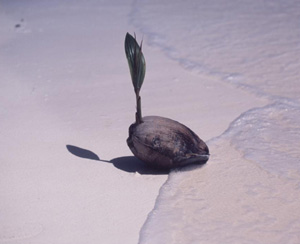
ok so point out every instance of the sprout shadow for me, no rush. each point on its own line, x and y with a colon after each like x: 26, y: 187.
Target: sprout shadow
x: 128, y: 164
x: 82, y: 153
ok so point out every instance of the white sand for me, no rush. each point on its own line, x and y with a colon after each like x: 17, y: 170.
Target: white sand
x: 65, y: 80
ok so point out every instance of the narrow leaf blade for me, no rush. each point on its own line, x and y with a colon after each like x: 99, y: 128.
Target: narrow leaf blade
x: 136, y: 61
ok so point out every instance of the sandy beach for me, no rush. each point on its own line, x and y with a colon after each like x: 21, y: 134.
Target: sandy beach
x: 65, y: 81
x: 67, y: 175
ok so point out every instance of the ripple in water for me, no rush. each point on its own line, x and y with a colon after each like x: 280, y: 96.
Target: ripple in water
x: 270, y: 136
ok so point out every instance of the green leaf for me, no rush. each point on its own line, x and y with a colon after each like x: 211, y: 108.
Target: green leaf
x: 136, y: 61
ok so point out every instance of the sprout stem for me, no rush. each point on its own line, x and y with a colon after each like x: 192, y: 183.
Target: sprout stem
x: 138, y: 115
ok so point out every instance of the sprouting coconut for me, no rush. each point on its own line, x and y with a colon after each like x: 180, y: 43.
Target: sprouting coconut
x: 160, y: 142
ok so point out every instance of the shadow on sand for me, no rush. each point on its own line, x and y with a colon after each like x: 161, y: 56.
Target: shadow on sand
x: 129, y: 164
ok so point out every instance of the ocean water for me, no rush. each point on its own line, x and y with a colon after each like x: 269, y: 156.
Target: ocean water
x: 254, y: 170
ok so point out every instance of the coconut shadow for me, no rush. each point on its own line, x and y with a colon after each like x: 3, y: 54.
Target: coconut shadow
x: 128, y: 164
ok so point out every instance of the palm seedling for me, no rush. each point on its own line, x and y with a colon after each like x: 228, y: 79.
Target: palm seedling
x: 160, y: 142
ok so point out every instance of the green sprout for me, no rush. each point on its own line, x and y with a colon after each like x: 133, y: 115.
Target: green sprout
x: 137, y: 67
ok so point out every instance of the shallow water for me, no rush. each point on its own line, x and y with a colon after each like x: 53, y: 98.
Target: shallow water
x: 254, y: 45
x: 270, y: 137
x: 255, y: 163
